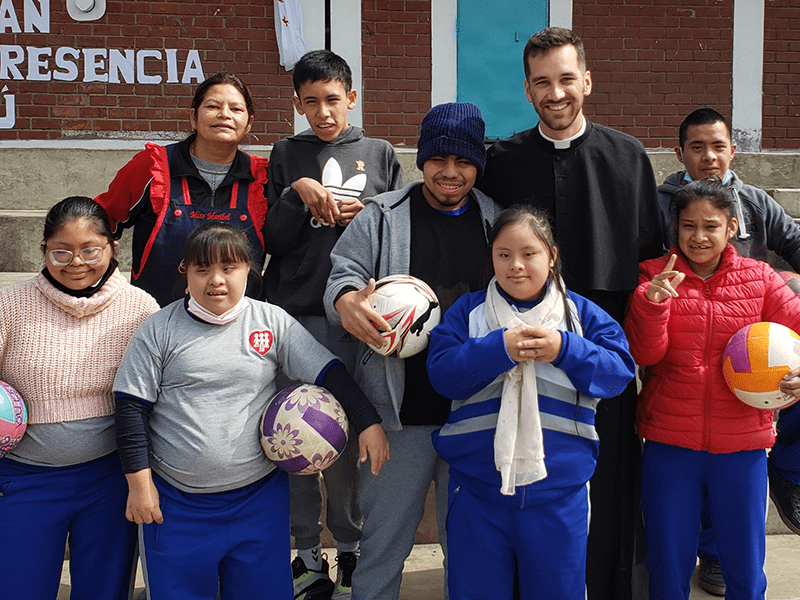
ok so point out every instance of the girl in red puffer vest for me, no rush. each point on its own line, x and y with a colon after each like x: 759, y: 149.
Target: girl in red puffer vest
x: 700, y: 439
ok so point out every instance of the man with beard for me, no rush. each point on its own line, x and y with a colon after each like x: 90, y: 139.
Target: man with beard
x: 598, y: 187
x: 435, y: 230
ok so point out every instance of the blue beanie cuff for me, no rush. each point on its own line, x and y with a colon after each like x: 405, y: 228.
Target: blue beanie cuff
x: 453, y: 129
x: 447, y: 146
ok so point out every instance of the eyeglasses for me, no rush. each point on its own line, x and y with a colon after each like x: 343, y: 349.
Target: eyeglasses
x: 90, y: 256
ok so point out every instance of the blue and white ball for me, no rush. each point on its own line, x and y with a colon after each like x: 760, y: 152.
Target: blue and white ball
x: 303, y: 429
x: 13, y: 418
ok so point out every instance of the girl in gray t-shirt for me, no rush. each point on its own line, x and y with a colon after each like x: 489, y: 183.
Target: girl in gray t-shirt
x: 192, y: 386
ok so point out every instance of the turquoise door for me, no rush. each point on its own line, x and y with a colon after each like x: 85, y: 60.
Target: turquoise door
x: 491, y: 37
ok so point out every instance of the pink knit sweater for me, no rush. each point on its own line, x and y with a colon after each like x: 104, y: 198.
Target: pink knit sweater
x: 60, y: 352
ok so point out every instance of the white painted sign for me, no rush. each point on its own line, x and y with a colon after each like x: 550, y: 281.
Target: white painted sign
x: 64, y: 63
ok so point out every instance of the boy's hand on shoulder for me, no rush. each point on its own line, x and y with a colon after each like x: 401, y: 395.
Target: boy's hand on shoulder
x: 348, y: 209
x: 358, y: 316
x: 318, y: 199
x: 665, y: 284
x: 372, y: 444
x: 143, y: 506
x: 790, y: 385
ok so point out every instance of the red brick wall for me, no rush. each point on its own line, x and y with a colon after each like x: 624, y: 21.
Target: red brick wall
x: 653, y: 62
x: 235, y: 35
x: 781, y: 112
x: 396, y: 48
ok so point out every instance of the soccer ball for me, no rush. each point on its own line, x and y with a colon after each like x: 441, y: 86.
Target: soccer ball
x: 755, y: 361
x: 303, y: 429
x: 13, y: 418
x: 411, y: 308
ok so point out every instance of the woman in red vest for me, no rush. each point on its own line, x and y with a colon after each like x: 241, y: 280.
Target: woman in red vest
x: 165, y: 192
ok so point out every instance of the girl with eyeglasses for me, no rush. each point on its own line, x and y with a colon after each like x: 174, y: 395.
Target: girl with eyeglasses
x: 62, y: 335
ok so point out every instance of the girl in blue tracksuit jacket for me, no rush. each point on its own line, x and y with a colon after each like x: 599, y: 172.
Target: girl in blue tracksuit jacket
x: 524, y: 362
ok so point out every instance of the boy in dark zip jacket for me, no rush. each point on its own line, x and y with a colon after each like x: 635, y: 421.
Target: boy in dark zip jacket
x: 318, y: 178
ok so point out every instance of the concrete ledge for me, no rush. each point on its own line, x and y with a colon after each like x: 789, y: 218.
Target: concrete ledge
x: 21, y: 236
x: 38, y: 177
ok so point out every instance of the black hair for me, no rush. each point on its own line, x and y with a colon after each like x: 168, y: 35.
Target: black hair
x: 216, y: 242
x: 217, y: 79
x: 322, y: 65
x: 72, y: 209
x: 552, y: 37
x: 702, y: 116
x: 539, y: 224
x: 712, y: 190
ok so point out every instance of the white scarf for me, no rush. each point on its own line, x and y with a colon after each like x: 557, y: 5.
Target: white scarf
x: 206, y: 315
x: 518, y: 442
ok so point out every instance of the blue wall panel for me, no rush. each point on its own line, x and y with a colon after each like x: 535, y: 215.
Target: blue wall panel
x: 491, y: 37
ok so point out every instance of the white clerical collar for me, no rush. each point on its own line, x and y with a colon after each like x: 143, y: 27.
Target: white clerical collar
x: 564, y: 144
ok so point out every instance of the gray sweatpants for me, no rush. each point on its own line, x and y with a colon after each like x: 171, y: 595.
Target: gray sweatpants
x: 393, y: 503
x: 343, y: 515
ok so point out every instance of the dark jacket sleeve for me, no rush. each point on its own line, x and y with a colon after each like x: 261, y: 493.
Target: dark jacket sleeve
x: 132, y: 422
x: 359, y: 410
x: 783, y: 234
x: 395, y: 171
x: 287, y: 213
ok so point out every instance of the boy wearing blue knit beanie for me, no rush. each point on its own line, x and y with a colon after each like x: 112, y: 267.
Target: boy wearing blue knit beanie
x: 435, y: 230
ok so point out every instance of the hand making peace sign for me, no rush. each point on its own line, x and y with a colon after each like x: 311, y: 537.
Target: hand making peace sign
x: 665, y: 283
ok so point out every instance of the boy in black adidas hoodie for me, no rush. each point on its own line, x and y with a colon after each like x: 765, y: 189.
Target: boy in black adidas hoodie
x: 317, y: 180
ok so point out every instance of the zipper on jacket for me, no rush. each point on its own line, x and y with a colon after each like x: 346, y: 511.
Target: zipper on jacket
x: 708, y: 295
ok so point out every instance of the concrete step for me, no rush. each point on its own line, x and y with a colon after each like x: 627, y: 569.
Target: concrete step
x: 21, y: 234
x: 788, y: 198
x: 761, y: 169
x: 7, y: 278
x: 21, y: 238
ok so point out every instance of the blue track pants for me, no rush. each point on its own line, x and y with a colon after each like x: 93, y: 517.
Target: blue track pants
x: 674, y: 481
x: 784, y: 460
x: 39, y: 506
x: 235, y: 541
x: 546, y: 540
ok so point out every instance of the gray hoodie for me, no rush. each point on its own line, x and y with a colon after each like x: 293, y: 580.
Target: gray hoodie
x: 352, y: 165
x: 378, y: 243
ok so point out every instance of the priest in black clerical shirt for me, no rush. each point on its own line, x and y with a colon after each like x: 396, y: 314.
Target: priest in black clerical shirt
x: 598, y: 187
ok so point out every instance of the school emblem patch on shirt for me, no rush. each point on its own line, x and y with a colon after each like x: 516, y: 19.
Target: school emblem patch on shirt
x: 261, y: 341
